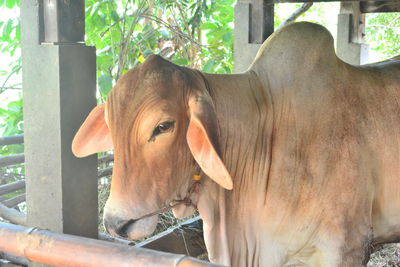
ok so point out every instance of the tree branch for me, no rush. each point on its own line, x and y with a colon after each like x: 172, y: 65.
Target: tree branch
x: 2, y: 89
x: 172, y: 29
x: 295, y: 14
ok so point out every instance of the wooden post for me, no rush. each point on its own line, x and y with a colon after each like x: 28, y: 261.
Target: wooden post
x: 59, y: 82
x: 350, y: 34
x: 254, y: 22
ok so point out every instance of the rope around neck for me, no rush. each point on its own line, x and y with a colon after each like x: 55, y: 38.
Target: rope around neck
x: 194, y: 188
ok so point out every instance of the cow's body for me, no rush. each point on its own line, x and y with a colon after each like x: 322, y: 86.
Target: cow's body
x: 313, y: 149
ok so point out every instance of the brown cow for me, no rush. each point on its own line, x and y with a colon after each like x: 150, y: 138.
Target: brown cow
x: 300, y: 154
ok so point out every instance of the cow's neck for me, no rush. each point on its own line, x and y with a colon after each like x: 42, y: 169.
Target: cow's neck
x: 242, y: 107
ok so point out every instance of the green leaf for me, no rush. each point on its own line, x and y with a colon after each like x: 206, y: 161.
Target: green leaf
x: 94, y: 9
x: 209, y: 26
x: 7, y: 28
x: 209, y: 66
x: 147, y: 53
x: 105, y: 84
x: 10, y: 3
x: 180, y: 61
x: 227, y: 37
x: 18, y: 32
x: 114, y: 15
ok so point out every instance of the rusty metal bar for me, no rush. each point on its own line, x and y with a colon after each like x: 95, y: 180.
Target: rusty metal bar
x: 20, y: 159
x: 67, y: 250
x: 13, y: 259
x: 11, y: 140
x: 12, y: 215
x: 12, y: 202
x: 114, y: 239
x: 105, y: 172
x: 106, y: 159
x: 7, y: 177
x: 12, y: 160
x: 11, y: 187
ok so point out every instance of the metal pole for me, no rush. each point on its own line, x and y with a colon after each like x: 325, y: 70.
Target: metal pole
x: 66, y: 250
x: 12, y: 160
x: 11, y: 140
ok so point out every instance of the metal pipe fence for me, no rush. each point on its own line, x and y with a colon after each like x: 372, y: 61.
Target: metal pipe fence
x: 11, y: 160
x: 11, y: 140
x: 47, y: 247
x: 15, y: 188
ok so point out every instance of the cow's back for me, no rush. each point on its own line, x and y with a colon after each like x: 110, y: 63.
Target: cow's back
x: 337, y: 129
x: 382, y: 129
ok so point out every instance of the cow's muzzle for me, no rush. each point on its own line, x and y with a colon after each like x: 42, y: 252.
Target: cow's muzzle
x: 120, y: 228
x: 130, y: 229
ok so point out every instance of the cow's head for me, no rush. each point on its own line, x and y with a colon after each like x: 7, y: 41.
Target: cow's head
x: 160, y: 120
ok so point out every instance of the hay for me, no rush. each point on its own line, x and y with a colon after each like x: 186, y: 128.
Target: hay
x: 389, y: 256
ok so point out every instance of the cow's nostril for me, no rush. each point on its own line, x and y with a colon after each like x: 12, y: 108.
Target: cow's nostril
x: 122, y: 230
x: 109, y: 225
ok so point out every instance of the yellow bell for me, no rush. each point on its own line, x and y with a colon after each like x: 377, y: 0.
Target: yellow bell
x: 197, y: 177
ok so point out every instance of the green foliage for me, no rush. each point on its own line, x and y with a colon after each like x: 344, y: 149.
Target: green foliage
x: 12, y: 116
x: 383, y: 33
x: 196, y: 33
x: 13, y: 124
x: 10, y: 41
x: 217, y: 56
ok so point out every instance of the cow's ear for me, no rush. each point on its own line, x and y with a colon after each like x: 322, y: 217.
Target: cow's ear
x: 93, y: 136
x: 202, y: 138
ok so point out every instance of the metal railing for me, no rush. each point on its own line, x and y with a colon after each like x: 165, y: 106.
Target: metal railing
x: 47, y: 247
x: 16, y: 188
x: 11, y: 140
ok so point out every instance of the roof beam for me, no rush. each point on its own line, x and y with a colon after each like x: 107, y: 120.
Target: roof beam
x: 305, y: 1
x: 380, y: 6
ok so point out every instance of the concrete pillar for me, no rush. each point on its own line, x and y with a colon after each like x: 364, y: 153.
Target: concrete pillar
x: 350, y: 34
x: 254, y: 22
x: 59, y: 82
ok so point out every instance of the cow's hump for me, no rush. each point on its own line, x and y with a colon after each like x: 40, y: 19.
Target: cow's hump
x: 296, y: 49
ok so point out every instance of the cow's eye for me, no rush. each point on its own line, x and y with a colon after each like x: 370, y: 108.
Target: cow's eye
x: 163, y: 127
